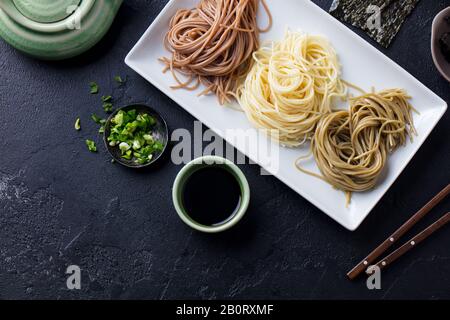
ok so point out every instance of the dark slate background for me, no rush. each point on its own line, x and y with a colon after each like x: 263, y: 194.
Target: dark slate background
x: 61, y: 205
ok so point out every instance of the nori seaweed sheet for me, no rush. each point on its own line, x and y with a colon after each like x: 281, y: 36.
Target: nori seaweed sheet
x: 393, y: 14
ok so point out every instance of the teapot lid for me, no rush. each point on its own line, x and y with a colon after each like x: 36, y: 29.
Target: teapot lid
x: 46, y: 11
x: 25, y: 24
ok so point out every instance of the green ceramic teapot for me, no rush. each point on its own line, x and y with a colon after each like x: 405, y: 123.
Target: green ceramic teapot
x: 55, y: 29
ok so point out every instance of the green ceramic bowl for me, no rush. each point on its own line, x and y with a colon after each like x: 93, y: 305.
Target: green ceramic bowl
x: 55, y: 29
x: 198, y: 164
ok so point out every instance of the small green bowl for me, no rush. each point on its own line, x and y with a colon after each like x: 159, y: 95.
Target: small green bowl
x: 197, y: 164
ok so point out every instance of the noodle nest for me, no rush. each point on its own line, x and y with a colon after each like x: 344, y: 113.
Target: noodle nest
x: 212, y: 45
x: 351, y: 147
x: 291, y: 86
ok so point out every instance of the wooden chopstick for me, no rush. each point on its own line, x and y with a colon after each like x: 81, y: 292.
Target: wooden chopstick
x: 386, y: 244
x: 414, y: 241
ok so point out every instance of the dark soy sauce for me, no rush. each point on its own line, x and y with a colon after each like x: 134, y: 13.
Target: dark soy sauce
x: 211, y: 195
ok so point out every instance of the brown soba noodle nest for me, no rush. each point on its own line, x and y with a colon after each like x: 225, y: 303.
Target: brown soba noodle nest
x: 212, y: 45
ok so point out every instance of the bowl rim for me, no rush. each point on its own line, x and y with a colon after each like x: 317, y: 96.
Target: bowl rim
x: 434, y: 46
x: 155, y: 159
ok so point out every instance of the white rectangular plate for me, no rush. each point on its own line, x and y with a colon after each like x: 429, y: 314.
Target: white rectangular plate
x: 362, y: 65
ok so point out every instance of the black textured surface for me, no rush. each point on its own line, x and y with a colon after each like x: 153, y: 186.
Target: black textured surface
x: 61, y: 205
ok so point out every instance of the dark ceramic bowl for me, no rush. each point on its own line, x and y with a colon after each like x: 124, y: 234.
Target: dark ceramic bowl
x: 160, y: 132
x: 440, y: 27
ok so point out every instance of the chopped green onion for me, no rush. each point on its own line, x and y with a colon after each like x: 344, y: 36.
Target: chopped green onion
x: 119, y: 79
x: 136, y: 145
x: 106, y: 98
x: 97, y: 119
x: 118, y: 119
x: 148, y: 138
x: 94, y: 87
x: 128, y: 155
x: 78, y: 124
x: 124, y: 147
x: 132, y: 133
x: 158, y: 146
x: 107, y: 107
x: 91, y: 146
